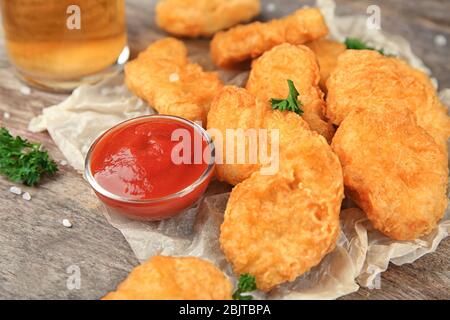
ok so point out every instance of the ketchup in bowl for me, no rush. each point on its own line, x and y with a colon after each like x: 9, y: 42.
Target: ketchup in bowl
x: 151, y: 167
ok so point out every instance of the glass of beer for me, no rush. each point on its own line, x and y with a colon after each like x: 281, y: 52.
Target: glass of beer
x: 60, y: 44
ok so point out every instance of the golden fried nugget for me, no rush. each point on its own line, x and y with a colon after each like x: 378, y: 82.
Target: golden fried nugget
x: 268, y: 79
x: 235, y: 108
x: 252, y: 40
x: 164, y: 77
x: 170, y: 278
x: 393, y: 170
x: 194, y: 18
x: 277, y: 227
x: 365, y: 78
x: 327, y: 53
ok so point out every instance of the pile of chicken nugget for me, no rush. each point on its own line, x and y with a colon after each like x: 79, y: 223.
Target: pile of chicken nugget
x: 371, y: 127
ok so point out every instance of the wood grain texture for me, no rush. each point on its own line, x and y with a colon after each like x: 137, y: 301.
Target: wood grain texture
x: 36, y: 250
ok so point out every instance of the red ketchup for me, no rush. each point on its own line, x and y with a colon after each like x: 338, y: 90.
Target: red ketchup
x: 151, y: 167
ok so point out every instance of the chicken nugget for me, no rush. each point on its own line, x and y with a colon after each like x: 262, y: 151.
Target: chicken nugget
x: 252, y: 40
x: 235, y: 108
x: 170, y: 278
x: 277, y: 227
x: 393, y: 170
x: 163, y: 76
x: 298, y: 63
x: 327, y: 53
x: 365, y: 78
x: 194, y: 18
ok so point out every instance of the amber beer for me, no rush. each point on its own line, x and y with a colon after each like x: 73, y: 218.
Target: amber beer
x: 57, y: 43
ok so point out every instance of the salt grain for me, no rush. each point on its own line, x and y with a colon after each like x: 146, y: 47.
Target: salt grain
x: 174, y: 77
x: 271, y: 7
x: 66, y: 223
x: 6, y: 115
x: 440, y: 40
x: 15, y: 190
x: 25, y: 90
x: 26, y: 196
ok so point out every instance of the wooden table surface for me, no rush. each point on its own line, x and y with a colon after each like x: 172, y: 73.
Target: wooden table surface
x: 36, y: 251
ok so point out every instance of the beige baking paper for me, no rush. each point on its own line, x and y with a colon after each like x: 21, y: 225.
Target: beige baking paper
x: 361, y: 253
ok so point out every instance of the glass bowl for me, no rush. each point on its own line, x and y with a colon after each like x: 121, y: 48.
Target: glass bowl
x: 154, y: 208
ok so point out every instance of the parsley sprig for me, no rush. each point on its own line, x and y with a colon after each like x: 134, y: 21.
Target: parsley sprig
x: 247, y: 283
x: 358, y: 44
x: 291, y: 103
x: 23, y: 161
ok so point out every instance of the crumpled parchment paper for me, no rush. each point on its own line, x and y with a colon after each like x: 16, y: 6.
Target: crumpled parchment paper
x: 362, y: 253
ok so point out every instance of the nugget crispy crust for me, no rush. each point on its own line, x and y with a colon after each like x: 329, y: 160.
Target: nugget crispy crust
x: 268, y: 79
x: 327, y: 53
x: 250, y: 41
x: 366, y: 78
x: 234, y: 108
x: 277, y: 227
x: 194, y: 18
x: 149, y: 77
x: 169, y: 278
x: 393, y: 170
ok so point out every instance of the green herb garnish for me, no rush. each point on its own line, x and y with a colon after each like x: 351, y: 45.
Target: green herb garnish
x: 358, y: 44
x: 23, y: 161
x: 247, y: 283
x: 291, y: 103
